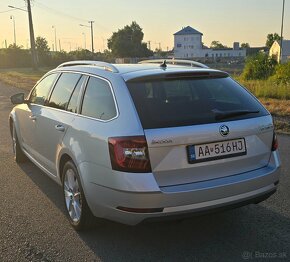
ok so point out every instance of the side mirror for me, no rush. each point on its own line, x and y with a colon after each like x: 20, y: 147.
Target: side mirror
x: 17, y: 99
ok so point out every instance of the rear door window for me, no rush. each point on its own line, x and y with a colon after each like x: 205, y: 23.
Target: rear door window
x: 190, y: 101
x: 98, y: 101
x: 63, y: 90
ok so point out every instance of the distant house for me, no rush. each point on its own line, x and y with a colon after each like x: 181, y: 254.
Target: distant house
x: 275, y: 51
x: 188, y: 44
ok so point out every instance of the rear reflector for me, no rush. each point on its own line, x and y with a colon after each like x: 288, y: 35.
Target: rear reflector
x: 129, y: 154
x: 275, y: 142
x: 141, y: 210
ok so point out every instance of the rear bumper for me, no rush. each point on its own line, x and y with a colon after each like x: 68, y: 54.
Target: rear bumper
x: 199, y: 197
x: 217, y: 207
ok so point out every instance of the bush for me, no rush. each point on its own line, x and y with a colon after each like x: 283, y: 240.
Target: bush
x: 282, y: 74
x: 259, y: 67
x: 14, y: 56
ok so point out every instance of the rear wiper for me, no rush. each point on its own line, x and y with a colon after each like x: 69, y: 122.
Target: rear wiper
x: 228, y: 114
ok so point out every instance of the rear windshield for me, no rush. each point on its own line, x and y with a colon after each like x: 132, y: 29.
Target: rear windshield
x: 186, y: 101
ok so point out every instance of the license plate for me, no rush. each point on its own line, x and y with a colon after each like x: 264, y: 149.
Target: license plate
x: 217, y: 150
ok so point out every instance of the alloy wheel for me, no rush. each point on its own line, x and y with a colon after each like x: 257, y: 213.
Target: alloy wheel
x: 72, y: 195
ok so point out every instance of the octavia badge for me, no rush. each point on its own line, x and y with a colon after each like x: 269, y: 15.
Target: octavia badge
x: 224, y: 130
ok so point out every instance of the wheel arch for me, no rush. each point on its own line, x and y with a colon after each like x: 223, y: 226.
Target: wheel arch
x: 12, y: 120
x: 65, y: 157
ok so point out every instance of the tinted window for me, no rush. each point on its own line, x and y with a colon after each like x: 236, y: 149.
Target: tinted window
x: 180, y: 102
x: 40, y: 93
x: 63, y: 90
x: 98, y: 100
x: 72, y: 105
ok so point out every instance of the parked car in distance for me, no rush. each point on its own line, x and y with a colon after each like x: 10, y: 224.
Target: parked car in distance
x: 138, y: 142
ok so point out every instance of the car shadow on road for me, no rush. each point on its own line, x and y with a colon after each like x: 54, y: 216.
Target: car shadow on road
x: 250, y: 232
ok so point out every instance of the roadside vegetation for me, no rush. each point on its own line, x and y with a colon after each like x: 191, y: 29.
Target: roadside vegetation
x: 271, y: 84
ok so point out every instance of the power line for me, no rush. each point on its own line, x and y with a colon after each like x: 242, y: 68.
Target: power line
x: 54, y: 11
x: 62, y: 14
x: 6, y: 11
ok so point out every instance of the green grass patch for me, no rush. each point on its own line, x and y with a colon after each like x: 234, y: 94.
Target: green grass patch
x: 267, y: 88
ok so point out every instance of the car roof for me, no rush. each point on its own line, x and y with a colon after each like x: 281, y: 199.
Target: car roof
x: 132, y: 71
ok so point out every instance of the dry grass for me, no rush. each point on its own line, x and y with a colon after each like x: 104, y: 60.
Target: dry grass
x: 277, y: 107
x: 21, y: 78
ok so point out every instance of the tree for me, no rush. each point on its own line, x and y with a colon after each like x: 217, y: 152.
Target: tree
x: 217, y: 44
x: 271, y: 38
x: 127, y: 42
x: 245, y: 45
x: 42, y: 50
x: 41, y: 45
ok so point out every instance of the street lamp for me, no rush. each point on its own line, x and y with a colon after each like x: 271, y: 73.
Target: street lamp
x: 13, y: 19
x: 55, y: 44
x: 92, y: 33
x: 31, y: 32
x: 84, y: 34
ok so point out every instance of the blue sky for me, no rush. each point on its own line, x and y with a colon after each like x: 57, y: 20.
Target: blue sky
x: 223, y: 20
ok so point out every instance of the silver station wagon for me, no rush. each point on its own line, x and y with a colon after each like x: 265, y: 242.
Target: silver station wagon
x: 146, y: 141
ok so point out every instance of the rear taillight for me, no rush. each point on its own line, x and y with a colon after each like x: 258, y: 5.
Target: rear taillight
x: 129, y: 154
x: 275, y: 142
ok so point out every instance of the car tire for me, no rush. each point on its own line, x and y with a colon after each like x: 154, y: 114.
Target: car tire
x: 78, y: 211
x: 19, y: 156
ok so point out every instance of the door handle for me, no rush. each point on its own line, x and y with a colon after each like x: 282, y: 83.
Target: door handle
x: 60, y: 128
x: 32, y: 117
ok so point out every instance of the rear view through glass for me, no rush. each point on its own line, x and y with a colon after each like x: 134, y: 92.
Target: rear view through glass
x: 191, y: 101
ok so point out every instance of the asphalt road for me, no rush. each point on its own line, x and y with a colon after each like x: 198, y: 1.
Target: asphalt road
x: 33, y: 225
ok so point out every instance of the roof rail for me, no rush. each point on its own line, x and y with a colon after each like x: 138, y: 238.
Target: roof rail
x: 175, y: 62
x: 104, y: 65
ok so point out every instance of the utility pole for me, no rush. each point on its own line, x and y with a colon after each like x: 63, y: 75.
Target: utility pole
x: 282, y: 25
x: 13, y: 19
x: 59, y: 45
x: 92, y: 35
x: 32, y: 40
x: 55, y: 43
x: 149, y: 45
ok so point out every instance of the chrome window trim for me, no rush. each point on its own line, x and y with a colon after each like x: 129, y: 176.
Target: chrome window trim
x: 82, y: 92
x: 79, y: 94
